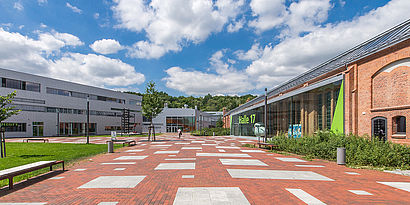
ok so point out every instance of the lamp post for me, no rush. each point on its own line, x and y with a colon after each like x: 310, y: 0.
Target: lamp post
x: 58, y: 121
x: 266, y: 113
x: 87, y: 129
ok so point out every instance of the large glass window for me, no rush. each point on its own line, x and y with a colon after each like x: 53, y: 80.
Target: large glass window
x: 186, y: 124
x: 21, y: 85
x: 399, y: 125
x: 13, y: 127
x: 76, y: 128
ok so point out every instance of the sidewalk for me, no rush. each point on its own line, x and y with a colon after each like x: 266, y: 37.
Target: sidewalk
x: 209, y: 170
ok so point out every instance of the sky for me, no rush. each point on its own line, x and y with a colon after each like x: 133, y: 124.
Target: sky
x: 187, y: 47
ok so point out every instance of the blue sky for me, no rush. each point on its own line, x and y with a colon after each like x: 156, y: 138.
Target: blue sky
x: 188, y: 47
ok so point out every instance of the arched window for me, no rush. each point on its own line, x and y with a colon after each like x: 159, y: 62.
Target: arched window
x: 379, y: 125
x: 399, y: 125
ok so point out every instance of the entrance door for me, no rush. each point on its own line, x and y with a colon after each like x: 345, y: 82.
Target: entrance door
x: 38, y: 128
x: 379, y: 127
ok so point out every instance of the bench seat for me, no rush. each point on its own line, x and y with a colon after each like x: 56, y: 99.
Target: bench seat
x: 271, y: 146
x: 15, y: 171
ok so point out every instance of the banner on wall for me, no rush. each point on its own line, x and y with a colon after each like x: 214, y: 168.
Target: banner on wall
x: 295, y: 131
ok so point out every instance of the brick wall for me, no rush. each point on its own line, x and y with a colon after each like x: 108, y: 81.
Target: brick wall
x: 371, y: 92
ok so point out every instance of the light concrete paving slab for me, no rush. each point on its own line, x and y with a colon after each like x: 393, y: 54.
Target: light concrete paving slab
x: 166, y: 152
x: 307, y: 165
x: 248, y: 162
x: 405, y: 186
x: 305, y: 197
x: 276, y: 174
x: 182, y: 143
x: 79, y: 170
x: 209, y: 144
x: 289, y: 159
x: 130, y: 157
x: 198, y: 141
x: 221, y: 150
x: 252, y: 151
x: 172, y: 155
x: 187, y: 159
x: 115, y: 163
x: 135, y: 150
x: 352, y: 173
x: 210, y: 196
x: 188, y: 176
x: 226, y: 147
x: 161, y: 145
x: 221, y: 155
x: 119, y: 169
x: 168, y: 166
x: 108, y: 203
x: 157, y: 142
x: 360, y: 192
x: 113, y: 182
x: 56, y: 177
x: 191, y: 148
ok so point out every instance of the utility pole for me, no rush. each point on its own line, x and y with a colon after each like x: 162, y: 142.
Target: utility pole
x: 87, y: 129
x: 266, y: 113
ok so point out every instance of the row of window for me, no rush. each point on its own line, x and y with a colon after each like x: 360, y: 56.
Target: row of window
x: 13, y: 127
x: 35, y: 87
x: 36, y: 108
x: 21, y: 85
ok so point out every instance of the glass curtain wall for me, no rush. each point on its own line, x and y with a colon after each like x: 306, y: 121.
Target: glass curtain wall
x: 74, y: 128
x: 186, y: 124
x: 307, y: 111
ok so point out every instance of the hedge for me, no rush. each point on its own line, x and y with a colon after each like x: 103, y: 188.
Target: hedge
x: 360, y: 151
x: 211, y: 131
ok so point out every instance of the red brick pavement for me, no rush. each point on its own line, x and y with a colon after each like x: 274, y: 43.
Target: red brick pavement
x: 160, y: 186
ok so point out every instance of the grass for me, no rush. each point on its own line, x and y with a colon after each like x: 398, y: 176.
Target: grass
x: 25, y: 153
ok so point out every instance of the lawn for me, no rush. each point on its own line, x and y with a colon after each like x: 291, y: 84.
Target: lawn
x: 25, y: 153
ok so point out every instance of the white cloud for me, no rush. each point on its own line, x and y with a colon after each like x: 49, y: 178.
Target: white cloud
x: 25, y: 54
x: 301, y: 16
x: 295, y: 55
x: 73, y: 8
x: 96, y: 16
x: 18, y: 6
x: 225, y: 80
x: 201, y: 83
x: 252, y: 54
x: 40, y: 2
x: 236, y: 26
x: 169, y: 25
x: 106, y: 46
x: 43, y: 25
x: 268, y: 13
x: 95, y: 70
x: 21, y: 27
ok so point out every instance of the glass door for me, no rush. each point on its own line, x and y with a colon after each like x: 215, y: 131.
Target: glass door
x: 38, y: 128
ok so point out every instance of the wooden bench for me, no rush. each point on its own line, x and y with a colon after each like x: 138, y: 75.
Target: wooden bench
x: 271, y: 146
x: 15, y: 171
x: 124, y: 142
x: 35, y: 139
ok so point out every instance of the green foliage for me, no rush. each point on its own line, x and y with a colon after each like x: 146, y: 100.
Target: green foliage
x: 219, y: 123
x: 7, y: 111
x: 24, y: 153
x: 205, y: 103
x: 359, y: 150
x: 210, y: 132
x: 152, y: 103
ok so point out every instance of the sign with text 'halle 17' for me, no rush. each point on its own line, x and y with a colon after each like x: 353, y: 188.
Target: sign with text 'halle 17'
x: 247, y: 119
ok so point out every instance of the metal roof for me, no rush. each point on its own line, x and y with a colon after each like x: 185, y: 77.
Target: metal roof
x: 382, y: 41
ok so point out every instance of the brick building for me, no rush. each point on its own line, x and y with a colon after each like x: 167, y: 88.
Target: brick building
x: 364, y: 91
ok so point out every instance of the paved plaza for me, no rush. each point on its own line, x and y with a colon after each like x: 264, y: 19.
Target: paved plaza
x: 206, y: 170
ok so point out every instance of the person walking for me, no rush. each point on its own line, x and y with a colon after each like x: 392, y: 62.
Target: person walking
x: 179, y: 133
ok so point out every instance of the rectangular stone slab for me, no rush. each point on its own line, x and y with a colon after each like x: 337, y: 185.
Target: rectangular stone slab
x: 276, y: 174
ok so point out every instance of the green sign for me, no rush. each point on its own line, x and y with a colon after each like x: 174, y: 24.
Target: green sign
x: 8, y: 124
x: 247, y: 119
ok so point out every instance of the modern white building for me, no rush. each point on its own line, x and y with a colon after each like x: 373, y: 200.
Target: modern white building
x: 186, y: 119
x: 51, y: 107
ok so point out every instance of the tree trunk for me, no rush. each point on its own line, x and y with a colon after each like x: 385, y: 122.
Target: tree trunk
x: 153, y: 128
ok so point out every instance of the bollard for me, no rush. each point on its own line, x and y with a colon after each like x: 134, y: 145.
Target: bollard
x: 214, y: 134
x: 341, y: 156
x: 110, y: 147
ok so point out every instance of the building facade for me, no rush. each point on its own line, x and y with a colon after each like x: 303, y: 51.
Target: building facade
x: 51, y: 107
x: 363, y: 91
x: 186, y: 119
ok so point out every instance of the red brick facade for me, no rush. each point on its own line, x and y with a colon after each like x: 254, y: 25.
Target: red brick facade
x: 379, y: 86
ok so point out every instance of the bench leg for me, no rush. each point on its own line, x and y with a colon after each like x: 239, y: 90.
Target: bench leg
x: 63, y: 166
x: 11, y: 183
x: 51, y: 168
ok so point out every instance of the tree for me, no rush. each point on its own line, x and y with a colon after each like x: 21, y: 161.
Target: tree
x: 219, y: 123
x: 6, y: 111
x: 152, y: 105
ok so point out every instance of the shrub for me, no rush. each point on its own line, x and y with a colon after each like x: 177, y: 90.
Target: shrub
x: 359, y: 150
x: 211, y: 131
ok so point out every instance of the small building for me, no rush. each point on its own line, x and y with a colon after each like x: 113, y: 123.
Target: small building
x: 363, y: 91
x: 51, y: 107
x: 186, y: 119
